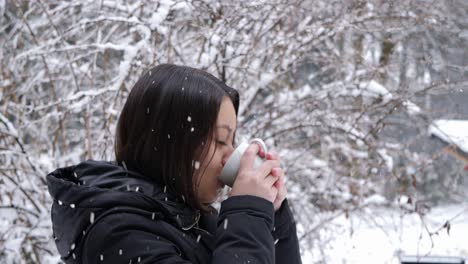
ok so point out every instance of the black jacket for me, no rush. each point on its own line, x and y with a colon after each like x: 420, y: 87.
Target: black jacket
x: 103, y: 213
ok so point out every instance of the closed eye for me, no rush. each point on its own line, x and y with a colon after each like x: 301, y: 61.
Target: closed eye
x: 222, y: 143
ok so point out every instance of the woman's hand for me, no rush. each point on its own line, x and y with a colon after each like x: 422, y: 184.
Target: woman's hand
x: 259, y: 182
x: 279, y: 184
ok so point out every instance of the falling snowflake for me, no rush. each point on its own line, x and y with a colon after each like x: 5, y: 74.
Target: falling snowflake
x: 120, y: 251
x: 225, y: 223
x: 72, y: 247
x: 198, y: 238
x: 196, y: 164
x: 101, y: 257
x: 91, y: 217
x: 60, y: 202
x: 149, y: 73
x: 189, y: 118
x: 192, y: 129
x: 276, y: 241
x: 72, y: 205
x: 168, y: 136
x: 137, y: 188
x: 147, y: 110
x: 152, y: 216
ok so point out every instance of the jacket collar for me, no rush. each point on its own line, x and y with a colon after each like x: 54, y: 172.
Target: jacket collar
x: 102, y: 181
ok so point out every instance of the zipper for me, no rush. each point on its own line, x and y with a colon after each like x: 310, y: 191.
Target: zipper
x: 203, y: 230
x: 194, y: 223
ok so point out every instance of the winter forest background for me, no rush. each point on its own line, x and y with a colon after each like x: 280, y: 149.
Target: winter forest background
x: 344, y: 90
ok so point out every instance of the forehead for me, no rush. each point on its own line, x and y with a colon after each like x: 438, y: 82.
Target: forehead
x: 227, y: 116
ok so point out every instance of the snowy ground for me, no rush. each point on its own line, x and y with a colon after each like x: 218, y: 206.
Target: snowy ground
x: 379, y: 235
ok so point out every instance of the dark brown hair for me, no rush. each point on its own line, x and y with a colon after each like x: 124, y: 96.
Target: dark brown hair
x: 167, y: 124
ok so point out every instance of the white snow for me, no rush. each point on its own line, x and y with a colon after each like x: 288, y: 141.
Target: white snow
x: 387, y: 158
x: 412, y: 108
x: 196, y: 164
x: 11, y: 128
x: 317, y: 163
x: 451, y: 131
x: 382, y: 235
x: 160, y: 15
x: 377, y: 89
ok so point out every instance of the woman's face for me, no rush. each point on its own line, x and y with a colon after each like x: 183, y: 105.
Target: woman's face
x: 220, y: 149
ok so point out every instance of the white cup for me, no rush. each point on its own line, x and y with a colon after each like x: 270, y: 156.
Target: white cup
x: 231, y: 168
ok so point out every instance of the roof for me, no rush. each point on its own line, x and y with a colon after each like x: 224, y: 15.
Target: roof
x: 432, y: 259
x: 453, y: 132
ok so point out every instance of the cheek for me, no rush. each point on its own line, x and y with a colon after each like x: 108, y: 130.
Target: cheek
x: 213, y: 169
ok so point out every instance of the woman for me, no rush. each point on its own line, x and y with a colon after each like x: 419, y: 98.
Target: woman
x: 152, y: 205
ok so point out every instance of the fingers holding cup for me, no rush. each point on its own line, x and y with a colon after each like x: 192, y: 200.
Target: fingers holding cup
x: 272, y: 155
x: 280, y: 186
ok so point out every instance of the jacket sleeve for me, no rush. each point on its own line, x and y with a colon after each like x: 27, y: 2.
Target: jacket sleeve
x: 243, y: 232
x: 285, y: 236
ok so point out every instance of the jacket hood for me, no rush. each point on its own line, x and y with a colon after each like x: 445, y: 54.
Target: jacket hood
x: 86, y: 192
